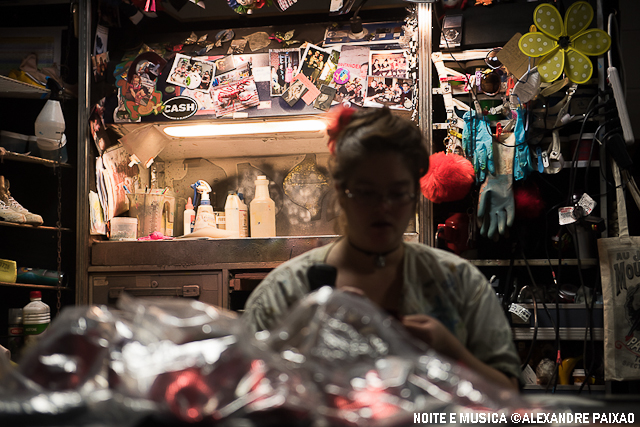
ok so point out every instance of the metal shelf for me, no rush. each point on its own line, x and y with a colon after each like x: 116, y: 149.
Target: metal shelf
x: 532, y: 262
x: 571, y: 334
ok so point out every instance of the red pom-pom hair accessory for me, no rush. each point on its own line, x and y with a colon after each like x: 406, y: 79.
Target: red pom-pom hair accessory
x: 341, y: 118
x: 449, y: 178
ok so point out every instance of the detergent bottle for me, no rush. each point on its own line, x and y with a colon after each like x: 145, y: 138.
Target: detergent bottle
x: 263, y: 210
x: 205, y: 217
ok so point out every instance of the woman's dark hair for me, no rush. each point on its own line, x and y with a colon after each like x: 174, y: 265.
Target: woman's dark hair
x: 378, y: 130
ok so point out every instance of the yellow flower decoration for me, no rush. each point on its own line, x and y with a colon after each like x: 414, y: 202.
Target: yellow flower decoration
x: 565, y: 46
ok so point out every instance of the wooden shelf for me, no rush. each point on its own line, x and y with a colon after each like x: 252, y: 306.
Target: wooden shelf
x: 18, y: 157
x: 32, y: 286
x: 532, y: 262
x: 36, y: 227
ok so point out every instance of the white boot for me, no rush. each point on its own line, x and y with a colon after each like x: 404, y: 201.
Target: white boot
x: 10, y: 204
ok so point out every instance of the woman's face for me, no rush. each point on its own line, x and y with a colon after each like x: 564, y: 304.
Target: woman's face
x: 377, y: 215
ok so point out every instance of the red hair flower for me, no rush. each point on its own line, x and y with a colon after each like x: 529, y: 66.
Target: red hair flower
x: 341, y: 118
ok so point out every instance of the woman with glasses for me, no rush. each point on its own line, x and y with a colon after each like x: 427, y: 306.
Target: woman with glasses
x: 377, y: 160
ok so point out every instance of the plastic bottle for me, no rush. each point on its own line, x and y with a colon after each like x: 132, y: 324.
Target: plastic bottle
x: 16, y: 333
x: 263, y: 210
x: 50, y: 122
x: 204, y: 217
x: 189, y: 219
x: 235, y: 213
x: 243, y: 213
x: 36, y: 317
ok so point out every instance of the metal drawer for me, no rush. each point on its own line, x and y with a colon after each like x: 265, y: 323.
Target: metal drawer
x: 203, y: 286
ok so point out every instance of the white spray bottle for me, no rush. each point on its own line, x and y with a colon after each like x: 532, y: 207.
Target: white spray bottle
x: 205, y: 216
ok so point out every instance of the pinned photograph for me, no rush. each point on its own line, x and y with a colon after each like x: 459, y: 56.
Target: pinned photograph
x: 350, y: 76
x: 191, y: 73
x: 283, y: 63
x: 390, y: 63
x: 391, y: 92
x: 324, y: 100
x: 313, y: 62
x: 294, y: 93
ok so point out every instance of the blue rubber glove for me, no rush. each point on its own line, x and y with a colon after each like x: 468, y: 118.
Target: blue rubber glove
x: 496, y: 206
x: 522, y: 164
x: 477, y: 128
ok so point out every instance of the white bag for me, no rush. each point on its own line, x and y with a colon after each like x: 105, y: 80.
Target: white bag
x: 620, y: 273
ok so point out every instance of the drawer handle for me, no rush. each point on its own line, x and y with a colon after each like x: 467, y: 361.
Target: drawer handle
x: 187, y: 291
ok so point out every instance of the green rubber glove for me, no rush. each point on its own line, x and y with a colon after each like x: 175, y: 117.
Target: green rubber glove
x: 496, y: 205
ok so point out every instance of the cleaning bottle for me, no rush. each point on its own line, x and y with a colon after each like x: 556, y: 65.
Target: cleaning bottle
x: 235, y: 213
x: 50, y: 122
x: 205, y: 217
x: 189, y: 219
x: 263, y: 210
x: 36, y: 317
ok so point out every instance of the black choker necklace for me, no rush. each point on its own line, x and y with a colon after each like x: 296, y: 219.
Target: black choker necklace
x: 380, y: 261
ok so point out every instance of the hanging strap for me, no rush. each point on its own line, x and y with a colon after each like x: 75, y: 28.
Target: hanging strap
x: 621, y: 204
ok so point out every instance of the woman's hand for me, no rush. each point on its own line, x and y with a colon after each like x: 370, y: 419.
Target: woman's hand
x: 435, y: 334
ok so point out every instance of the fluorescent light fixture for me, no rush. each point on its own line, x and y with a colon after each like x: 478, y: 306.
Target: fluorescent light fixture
x: 246, y: 128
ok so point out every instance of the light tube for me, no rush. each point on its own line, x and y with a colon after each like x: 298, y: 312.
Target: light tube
x: 226, y: 129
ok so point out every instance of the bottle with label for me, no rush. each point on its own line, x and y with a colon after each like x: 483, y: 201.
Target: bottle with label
x: 263, y: 210
x: 36, y: 317
x: 16, y: 333
x: 189, y: 219
x: 235, y: 214
x: 204, y: 217
x: 244, y: 216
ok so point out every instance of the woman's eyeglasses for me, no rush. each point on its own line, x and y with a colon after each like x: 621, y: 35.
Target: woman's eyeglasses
x: 374, y: 198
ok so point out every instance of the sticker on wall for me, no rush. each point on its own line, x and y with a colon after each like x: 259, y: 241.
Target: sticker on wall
x: 180, y: 108
x: 137, y: 87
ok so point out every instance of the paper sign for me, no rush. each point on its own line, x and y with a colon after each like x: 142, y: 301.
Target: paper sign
x: 512, y: 57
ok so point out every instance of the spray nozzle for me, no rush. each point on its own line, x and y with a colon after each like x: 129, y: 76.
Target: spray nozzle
x: 54, y: 87
x: 203, y: 188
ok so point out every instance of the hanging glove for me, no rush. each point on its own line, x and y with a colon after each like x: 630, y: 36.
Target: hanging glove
x: 522, y: 165
x: 496, y: 205
x: 476, y: 139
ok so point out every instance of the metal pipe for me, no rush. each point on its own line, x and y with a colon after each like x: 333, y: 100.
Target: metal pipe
x: 426, y: 228
x: 83, y: 161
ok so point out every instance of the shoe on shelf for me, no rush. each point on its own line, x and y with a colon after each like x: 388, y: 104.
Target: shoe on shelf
x: 9, y: 204
x: 9, y: 215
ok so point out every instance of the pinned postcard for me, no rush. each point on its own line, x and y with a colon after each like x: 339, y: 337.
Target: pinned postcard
x: 391, y: 63
x: 397, y: 94
x: 191, y: 73
x: 313, y: 62
x: 283, y: 63
x: 351, y: 74
x: 323, y: 101
x: 295, y: 92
